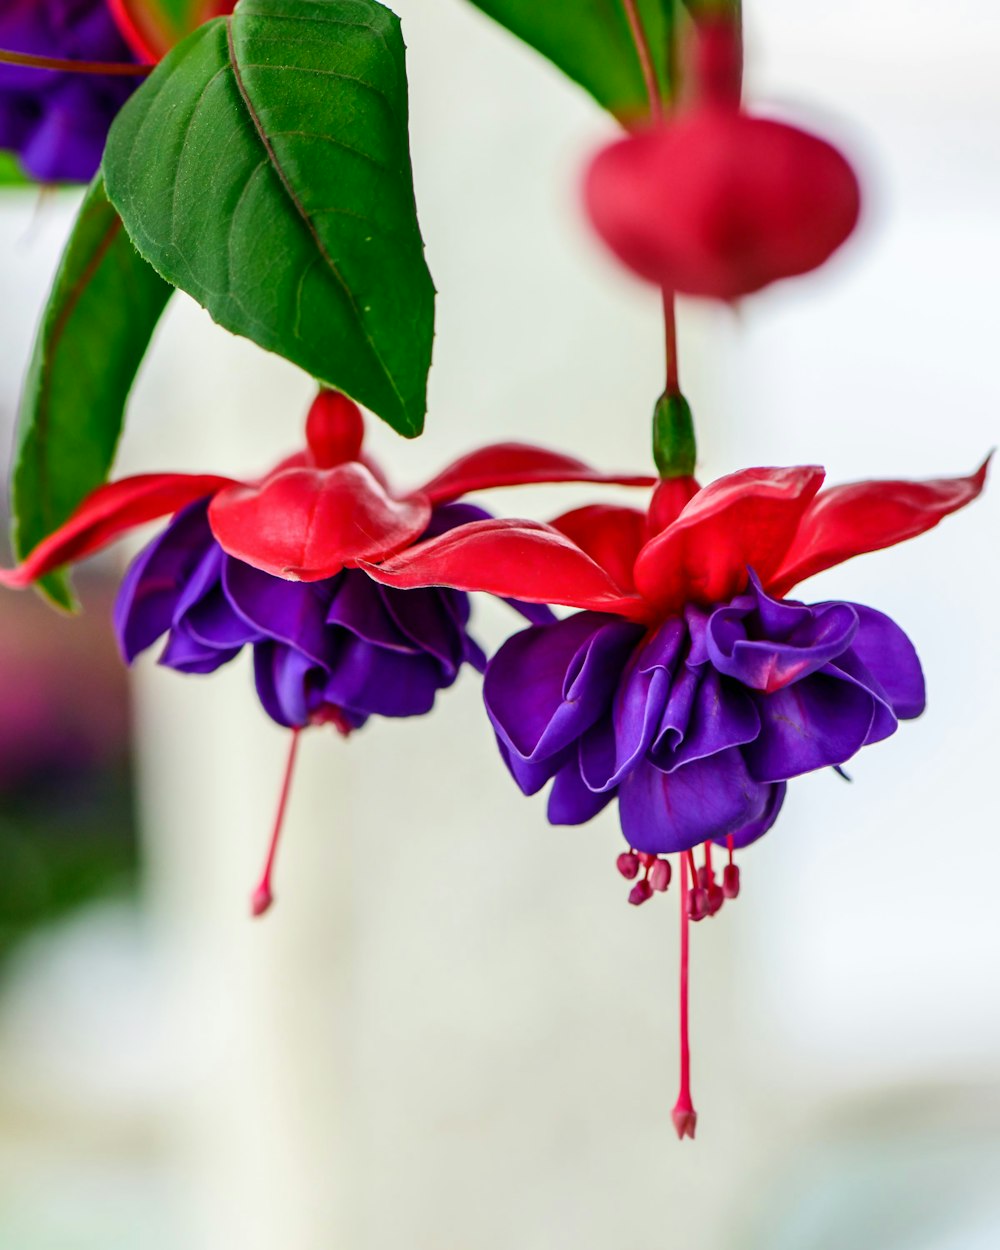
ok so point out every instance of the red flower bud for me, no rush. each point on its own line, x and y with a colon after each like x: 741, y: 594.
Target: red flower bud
x: 718, y: 203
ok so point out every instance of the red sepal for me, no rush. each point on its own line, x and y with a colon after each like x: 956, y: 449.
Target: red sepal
x: 516, y: 464
x: 610, y: 535
x: 514, y: 560
x: 306, y: 524
x: 850, y: 520
x: 108, y: 512
x: 745, y: 520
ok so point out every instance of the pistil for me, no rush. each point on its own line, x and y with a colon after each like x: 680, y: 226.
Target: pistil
x: 263, y: 895
x: 684, y: 1115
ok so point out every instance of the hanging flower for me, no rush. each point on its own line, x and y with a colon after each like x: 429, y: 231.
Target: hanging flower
x: 688, y: 686
x: 57, y: 122
x: 717, y: 202
x: 274, y: 565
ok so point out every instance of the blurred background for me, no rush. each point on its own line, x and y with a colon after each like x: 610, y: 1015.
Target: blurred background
x: 451, y: 1033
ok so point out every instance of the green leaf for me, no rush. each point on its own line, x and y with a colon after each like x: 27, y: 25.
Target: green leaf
x: 590, y: 41
x: 11, y: 173
x: 264, y: 168
x: 101, y: 313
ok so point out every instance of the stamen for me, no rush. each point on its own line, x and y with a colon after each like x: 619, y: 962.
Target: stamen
x: 731, y: 873
x: 660, y: 874
x: 684, y: 1115
x: 627, y: 864
x: 263, y: 897
x: 640, y: 893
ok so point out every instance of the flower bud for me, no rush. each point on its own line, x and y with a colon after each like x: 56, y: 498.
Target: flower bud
x: 719, y: 204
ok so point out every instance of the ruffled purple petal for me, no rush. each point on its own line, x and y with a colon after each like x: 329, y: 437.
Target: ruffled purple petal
x: 285, y: 681
x: 708, y: 798
x: 155, y: 580
x: 891, y: 658
x: 814, y: 723
x: 723, y: 715
x: 771, y: 663
x: 571, y: 801
x: 290, y: 612
x: 384, y: 682
x: 549, y: 684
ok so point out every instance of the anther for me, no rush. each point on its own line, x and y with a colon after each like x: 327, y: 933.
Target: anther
x: 698, y: 904
x: 660, y: 874
x: 627, y: 864
x: 714, y: 897
x: 640, y: 893
x: 731, y: 881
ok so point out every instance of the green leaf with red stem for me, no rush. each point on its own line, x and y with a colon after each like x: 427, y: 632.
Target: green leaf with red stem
x: 590, y: 41
x: 102, y: 310
x: 264, y: 168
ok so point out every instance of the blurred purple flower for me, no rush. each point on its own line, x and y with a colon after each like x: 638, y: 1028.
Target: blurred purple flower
x: 57, y: 122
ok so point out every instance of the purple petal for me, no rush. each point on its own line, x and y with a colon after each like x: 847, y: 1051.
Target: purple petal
x: 423, y: 617
x: 890, y: 656
x: 571, y: 801
x: 705, y: 799
x: 530, y: 777
x: 360, y: 606
x: 282, y: 677
x: 770, y: 665
x: 548, y: 684
x: 723, y: 715
x: 186, y: 654
x: 156, y: 578
x: 814, y: 723
x: 289, y: 612
x: 757, y: 828
x: 767, y: 644
x: 375, y: 680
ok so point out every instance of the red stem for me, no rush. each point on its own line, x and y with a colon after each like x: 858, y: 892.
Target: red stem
x: 263, y: 896
x: 670, y: 323
x: 729, y: 847
x: 656, y: 112
x: 645, y: 53
x: 116, y: 69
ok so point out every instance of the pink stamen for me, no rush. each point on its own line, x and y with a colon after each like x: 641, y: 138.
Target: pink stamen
x: 627, y: 864
x: 729, y: 846
x: 263, y: 896
x: 684, y: 1115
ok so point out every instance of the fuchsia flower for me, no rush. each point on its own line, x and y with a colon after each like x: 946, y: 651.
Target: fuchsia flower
x: 714, y: 201
x: 274, y: 565
x: 687, y: 685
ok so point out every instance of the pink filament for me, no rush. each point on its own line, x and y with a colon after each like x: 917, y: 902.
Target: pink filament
x: 684, y: 1115
x: 263, y: 896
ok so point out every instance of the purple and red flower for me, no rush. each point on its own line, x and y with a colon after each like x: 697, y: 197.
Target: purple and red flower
x: 687, y: 685
x: 276, y: 565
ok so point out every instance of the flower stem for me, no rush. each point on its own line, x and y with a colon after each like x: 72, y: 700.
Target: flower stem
x: 656, y: 113
x: 645, y: 54
x: 116, y: 69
